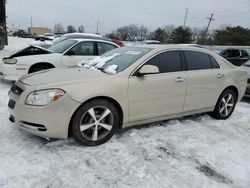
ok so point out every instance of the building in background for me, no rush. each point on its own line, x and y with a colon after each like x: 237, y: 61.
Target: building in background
x: 39, y: 30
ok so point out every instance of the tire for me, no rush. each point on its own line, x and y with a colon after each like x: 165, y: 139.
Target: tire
x: 225, y: 105
x: 40, y: 67
x: 93, y: 131
x: 1, y: 44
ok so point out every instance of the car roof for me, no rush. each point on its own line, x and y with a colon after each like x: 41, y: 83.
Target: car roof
x: 171, y: 46
x: 95, y: 40
x: 82, y: 34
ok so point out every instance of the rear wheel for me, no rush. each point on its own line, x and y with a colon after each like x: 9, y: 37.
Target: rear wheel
x: 39, y: 67
x: 225, y: 105
x: 95, y: 122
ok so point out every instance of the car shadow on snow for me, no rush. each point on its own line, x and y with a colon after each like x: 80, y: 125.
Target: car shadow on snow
x: 6, y: 83
x: 246, y: 99
x: 194, y: 117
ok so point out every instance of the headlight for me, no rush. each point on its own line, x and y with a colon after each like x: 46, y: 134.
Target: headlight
x: 44, y: 97
x: 10, y: 61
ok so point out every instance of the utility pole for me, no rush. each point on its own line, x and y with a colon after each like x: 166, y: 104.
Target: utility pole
x: 97, y: 27
x: 209, y: 22
x: 31, y: 22
x: 185, y: 19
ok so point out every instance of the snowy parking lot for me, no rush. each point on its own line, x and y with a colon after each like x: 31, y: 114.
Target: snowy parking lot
x: 195, y: 151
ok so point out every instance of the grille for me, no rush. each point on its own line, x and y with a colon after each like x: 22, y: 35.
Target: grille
x: 12, y: 104
x: 17, y: 90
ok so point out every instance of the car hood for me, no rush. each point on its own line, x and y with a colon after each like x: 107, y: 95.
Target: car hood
x: 29, y: 50
x: 62, y: 76
x: 40, y: 57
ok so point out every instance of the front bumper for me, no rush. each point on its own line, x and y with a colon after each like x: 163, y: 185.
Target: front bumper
x: 12, y: 71
x: 50, y: 121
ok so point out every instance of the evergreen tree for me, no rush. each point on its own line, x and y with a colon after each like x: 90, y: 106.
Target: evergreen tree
x: 181, y: 36
x: 232, y: 36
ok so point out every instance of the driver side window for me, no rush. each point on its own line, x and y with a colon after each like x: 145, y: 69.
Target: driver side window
x: 167, y: 62
x: 83, y: 48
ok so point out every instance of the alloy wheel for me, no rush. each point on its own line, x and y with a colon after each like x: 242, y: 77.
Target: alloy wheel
x: 226, y: 105
x: 96, y: 123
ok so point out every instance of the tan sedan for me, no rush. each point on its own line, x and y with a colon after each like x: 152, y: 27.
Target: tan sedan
x: 125, y: 87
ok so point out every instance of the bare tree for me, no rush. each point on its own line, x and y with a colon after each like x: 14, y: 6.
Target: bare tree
x: 71, y: 29
x: 131, y: 33
x: 81, y: 29
x: 58, y: 28
x: 142, y: 32
x: 168, y: 29
x: 123, y: 33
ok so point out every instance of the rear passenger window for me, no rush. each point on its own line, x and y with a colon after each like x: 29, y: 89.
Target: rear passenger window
x: 167, y: 62
x: 104, y: 47
x: 199, y: 61
x: 214, y: 63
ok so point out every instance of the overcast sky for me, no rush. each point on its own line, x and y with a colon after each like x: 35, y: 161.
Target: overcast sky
x: 114, y: 13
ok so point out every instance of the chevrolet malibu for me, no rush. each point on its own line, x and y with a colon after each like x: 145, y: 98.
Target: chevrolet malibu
x: 125, y: 87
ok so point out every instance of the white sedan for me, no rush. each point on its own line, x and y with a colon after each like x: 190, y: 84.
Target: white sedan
x: 126, y: 87
x: 67, y: 53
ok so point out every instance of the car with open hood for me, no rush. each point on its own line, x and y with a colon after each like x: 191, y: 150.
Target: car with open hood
x: 125, y: 87
x: 67, y: 53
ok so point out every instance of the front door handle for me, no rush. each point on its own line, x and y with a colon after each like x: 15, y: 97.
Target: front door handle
x: 180, y: 79
x: 220, y: 75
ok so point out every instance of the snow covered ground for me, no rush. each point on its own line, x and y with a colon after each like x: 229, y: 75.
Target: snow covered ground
x: 195, y: 151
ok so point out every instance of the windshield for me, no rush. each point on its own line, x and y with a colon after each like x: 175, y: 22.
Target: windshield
x: 60, y: 39
x: 62, y: 46
x: 116, y: 60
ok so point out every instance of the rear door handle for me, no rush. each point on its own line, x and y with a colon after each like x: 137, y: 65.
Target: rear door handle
x: 180, y: 79
x: 220, y: 75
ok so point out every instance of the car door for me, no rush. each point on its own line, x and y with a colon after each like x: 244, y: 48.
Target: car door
x: 81, y: 51
x: 205, y: 80
x: 157, y: 95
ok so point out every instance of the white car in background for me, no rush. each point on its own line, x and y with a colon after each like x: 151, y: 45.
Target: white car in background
x: 67, y: 53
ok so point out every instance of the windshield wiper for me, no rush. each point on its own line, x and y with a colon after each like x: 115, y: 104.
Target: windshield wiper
x: 101, y: 69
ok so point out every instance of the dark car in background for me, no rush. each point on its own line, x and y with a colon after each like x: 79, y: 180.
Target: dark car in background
x: 236, y: 56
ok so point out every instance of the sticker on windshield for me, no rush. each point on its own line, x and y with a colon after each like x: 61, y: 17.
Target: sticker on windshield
x: 133, y: 52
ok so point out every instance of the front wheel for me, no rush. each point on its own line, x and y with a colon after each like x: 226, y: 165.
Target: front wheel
x: 225, y: 105
x: 95, y: 122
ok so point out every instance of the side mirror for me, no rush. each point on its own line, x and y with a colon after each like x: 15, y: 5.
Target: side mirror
x: 70, y: 53
x: 148, y: 69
